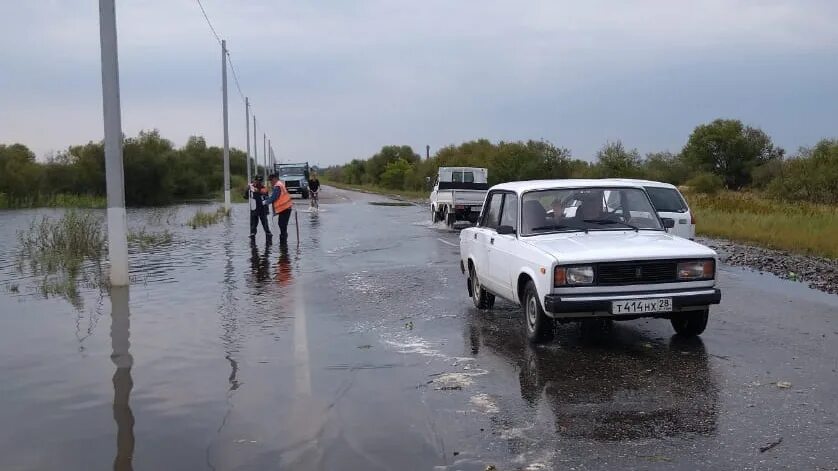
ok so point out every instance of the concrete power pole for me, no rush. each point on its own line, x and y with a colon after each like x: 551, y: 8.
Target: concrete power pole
x: 226, y: 123
x: 247, y: 134
x: 265, y: 153
x: 114, y: 173
x: 255, y: 149
x: 271, y: 153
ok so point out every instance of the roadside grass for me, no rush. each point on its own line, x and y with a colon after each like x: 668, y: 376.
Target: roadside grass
x: 803, y: 228
x: 409, y: 194
x: 61, y: 200
x: 204, y: 219
x: 63, y: 252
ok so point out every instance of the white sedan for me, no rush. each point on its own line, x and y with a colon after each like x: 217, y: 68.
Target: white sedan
x: 577, y: 250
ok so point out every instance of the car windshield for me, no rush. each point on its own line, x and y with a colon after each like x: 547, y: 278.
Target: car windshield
x: 285, y: 171
x: 587, y: 209
x: 667, y: 200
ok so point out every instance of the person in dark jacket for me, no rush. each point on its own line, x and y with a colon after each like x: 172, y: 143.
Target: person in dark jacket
x: 255, y: 194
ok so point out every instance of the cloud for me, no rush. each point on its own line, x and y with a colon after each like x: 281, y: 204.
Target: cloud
x: 332, y: 80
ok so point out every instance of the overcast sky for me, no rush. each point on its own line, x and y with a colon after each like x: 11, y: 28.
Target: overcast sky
x: 332, y: 80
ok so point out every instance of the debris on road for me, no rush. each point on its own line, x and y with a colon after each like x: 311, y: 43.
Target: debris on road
x: 771, y: 445
x: 783, y: 384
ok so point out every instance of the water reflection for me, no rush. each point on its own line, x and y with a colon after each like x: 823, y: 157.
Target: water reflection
x: 284, y: 272
x: 260, y: 265
x: 122, y: 381
x: 623, y: 386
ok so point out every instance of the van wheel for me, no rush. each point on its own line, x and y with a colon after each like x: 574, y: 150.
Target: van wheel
x: 481, y: 298
x: 690, y: 324
x: 539, y: 327
x: 434, y: 215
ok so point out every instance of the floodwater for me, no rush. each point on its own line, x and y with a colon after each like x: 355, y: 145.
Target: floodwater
x: 358, y: 348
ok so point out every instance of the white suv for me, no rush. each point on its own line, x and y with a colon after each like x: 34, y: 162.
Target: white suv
x: 669, y: 203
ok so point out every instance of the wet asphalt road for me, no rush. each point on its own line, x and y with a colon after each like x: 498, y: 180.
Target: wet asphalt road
x: 359, y: 349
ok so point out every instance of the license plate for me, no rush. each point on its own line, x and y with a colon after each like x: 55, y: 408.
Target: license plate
x: 641, y: 306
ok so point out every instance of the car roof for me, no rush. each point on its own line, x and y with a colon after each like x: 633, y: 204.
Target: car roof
x: 644, y: 182
x: 532, y: 185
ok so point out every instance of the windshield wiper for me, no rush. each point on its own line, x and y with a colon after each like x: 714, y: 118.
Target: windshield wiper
x: 609, y: 221
x: 556, y: 227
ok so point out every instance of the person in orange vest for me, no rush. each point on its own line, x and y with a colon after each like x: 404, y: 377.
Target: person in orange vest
x: 282, y: 206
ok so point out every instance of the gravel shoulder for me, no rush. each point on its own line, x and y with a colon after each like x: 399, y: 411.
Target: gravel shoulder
x: 818, y: 272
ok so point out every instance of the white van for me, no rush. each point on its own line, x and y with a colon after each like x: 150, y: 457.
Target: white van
x: 669, y: 203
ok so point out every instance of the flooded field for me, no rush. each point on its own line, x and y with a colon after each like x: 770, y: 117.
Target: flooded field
x: 356, y: 347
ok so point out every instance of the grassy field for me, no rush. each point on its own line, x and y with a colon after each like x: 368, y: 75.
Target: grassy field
x: 409, y: 194
x: 54, y: 201
x: 802, y: 228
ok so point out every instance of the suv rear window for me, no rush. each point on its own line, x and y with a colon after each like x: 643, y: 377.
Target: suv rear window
x: 667, y: 200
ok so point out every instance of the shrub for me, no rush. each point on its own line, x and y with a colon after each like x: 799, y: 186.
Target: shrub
x: 706, y: 183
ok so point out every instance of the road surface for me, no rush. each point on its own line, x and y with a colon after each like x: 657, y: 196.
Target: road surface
x: 360, y: 349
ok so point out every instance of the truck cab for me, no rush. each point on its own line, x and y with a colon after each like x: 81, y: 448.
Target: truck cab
x: 458, y: 194
x: 295, y: 177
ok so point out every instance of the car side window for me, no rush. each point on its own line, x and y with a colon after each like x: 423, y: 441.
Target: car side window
x: 509, y: 216
x: 468, y: 177
x: 491, y: 213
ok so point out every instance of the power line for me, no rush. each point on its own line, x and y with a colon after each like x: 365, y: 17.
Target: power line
x: 214, y: 33
x: 235, y: 75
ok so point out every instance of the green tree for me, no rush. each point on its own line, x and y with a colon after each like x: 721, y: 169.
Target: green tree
x: 615, y: 161
x: 665, y: 167
x: 730, y: 150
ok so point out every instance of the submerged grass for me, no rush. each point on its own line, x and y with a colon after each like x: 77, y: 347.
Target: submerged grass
x: 803, y: 228
x: 145, y: 239
x: 204, y: 219
x: 63, y: 252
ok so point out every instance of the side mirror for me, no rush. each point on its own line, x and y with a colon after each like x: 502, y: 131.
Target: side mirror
x: 506, y: 230
x: 668, y: 223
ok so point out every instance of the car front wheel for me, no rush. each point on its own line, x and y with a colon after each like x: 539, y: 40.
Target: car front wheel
x: 690, y: 324
x: 482, y: 299
x: 539, y: 327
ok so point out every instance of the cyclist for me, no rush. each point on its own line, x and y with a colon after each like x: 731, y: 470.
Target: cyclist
x: 314, y: 189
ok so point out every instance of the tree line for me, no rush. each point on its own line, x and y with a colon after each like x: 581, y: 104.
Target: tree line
x: 156, y: 172
x: 721, y: 154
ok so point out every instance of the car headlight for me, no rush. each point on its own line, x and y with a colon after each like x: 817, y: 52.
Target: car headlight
x: 571, y: 276
x: 697, y: 270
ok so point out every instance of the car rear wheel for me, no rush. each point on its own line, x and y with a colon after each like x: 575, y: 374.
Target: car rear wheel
x: 539, y: 327
x: 690, y: 324
x: 481, y: 298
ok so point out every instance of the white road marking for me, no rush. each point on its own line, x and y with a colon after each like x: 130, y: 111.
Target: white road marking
x: 302, y: 370
x: 446, y: 242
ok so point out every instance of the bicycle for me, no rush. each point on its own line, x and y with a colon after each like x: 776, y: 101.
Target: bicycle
x: 315, y: 200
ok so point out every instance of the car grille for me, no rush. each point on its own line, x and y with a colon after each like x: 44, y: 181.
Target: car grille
x: 638, y: 272
x: 292, y: 184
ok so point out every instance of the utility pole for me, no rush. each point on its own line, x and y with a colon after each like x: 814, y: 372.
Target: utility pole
x: 265, y: 153
x: 247, y: 134
x: 271, y: 153
x: 226, y: 130
x: 255, y: 149
x: 114, y: 173
x: 427, y: 152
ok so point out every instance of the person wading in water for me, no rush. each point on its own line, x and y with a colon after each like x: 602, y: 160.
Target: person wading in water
x: 282, y: 205
x: 255, y: 194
